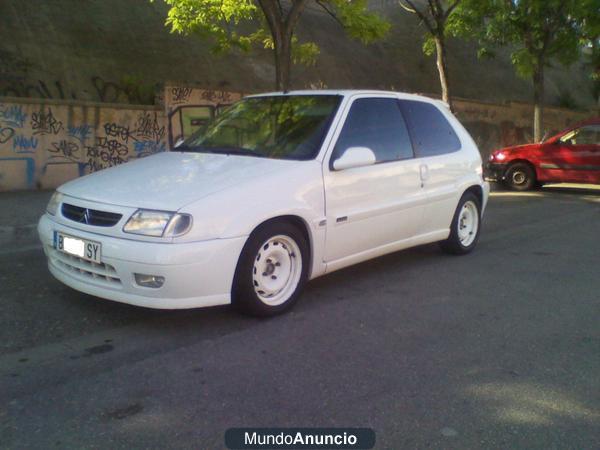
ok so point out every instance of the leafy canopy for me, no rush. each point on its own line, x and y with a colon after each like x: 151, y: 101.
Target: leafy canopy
x: 239, y: 24
x: 439, y: 18
x: 537, y: 30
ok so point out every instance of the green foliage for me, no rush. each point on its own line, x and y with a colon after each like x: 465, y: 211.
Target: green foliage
x: 358, y: 22
x: 439, y: 17
x: 239, y: 24
x: 305, y: 53
x: 429, y: 45
x: 217, y: 19
x: 538, y: 30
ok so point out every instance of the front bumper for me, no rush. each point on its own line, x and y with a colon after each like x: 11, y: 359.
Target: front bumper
x: 196, y: 274
x: 494, y: 171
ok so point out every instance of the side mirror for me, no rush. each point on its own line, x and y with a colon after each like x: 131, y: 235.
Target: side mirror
x: 355, y: 157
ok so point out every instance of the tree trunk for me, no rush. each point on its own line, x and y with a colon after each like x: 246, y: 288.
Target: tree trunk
x: 538, y: 102
x: 283, y: 62
x: 440, y: 47
x: 282, y: 26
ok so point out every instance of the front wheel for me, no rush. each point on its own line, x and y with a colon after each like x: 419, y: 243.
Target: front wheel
x: 520, y: 177
x: 271, y: 271
x: 465, y: 228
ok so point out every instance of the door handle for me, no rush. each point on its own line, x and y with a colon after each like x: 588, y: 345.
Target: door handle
x: 424, y: 173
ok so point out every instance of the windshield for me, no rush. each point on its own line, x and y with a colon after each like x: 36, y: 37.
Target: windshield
x: 282, y: 127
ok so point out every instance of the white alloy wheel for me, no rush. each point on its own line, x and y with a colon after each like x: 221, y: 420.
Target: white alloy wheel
x: 277, y: 270
x: 468, y: 223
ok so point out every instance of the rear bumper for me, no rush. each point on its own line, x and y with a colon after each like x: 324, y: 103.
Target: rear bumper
x: 196, y: 274
x: 494, y: 171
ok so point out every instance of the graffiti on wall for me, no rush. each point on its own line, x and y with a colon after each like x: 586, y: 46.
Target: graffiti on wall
x: 46, y: 145
x: 189, y: 109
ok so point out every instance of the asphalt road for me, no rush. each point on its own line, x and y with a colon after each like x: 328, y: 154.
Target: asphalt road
x: 497, y: 349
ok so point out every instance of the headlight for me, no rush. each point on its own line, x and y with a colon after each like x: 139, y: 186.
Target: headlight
x: 53, y: 204
x: 158, y: 223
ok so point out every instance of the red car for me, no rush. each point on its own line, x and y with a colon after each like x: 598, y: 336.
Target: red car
x: 572, y: 156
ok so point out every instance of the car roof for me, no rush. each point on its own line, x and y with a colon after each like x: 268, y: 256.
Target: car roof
x: 326, y: 92
x: 351, y: 92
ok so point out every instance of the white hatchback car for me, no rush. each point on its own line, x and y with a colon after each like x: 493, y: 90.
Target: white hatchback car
x: 277, y: 190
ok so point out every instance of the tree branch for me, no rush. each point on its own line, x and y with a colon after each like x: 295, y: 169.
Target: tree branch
x: 293, y: 16
x: 271, y: 11
x: 273, y: 18
x: 412, y: 8
x: 330, y: 13
x: 451, y: 8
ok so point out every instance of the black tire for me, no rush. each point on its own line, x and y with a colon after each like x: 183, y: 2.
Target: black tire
x: 244, y: 293
x: 520, y: 176
x: 454, y: 245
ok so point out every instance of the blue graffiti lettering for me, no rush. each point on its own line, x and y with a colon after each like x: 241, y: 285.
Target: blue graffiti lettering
x: 81, y: 132
x: 22, y: 144
x: 13, y: 115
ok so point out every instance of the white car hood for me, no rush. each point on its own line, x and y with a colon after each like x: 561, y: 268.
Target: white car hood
x: 170, y: 180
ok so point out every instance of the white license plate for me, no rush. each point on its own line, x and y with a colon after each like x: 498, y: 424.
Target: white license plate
x: 88, y: 250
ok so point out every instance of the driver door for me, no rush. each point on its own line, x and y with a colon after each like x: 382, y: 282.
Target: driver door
x: 576, y: 156
x: 370, y: 207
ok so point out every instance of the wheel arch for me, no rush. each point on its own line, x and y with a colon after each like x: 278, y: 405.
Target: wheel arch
x: 476, y: 190
x: 512, y: 162
x: 300, y: 223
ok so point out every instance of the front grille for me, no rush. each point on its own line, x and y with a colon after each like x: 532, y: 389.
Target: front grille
x: 100, y: 272
x: 90, y: 216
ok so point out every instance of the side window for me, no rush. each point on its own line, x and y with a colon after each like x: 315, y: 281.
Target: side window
x: 376, y: 123
x: 431, y: 133
x: 588, y: 135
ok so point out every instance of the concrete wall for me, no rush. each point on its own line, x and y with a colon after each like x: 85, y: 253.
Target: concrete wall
x: 45, y: 143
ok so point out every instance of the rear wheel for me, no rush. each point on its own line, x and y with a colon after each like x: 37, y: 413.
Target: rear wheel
x: 271, y: 271
x: 520, y: 177
x: 465, y: 228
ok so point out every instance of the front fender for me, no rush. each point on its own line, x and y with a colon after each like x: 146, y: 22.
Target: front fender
x: 238, y: 210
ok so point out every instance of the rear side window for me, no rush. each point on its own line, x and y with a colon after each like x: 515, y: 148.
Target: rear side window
x: 376, y: 123
x: 431, y: 133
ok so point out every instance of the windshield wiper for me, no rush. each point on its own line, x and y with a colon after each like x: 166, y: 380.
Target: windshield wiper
x: 233, y: 151
x: 219, y: 150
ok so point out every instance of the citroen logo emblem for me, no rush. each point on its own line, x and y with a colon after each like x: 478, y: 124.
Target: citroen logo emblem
x: 86, y: 216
